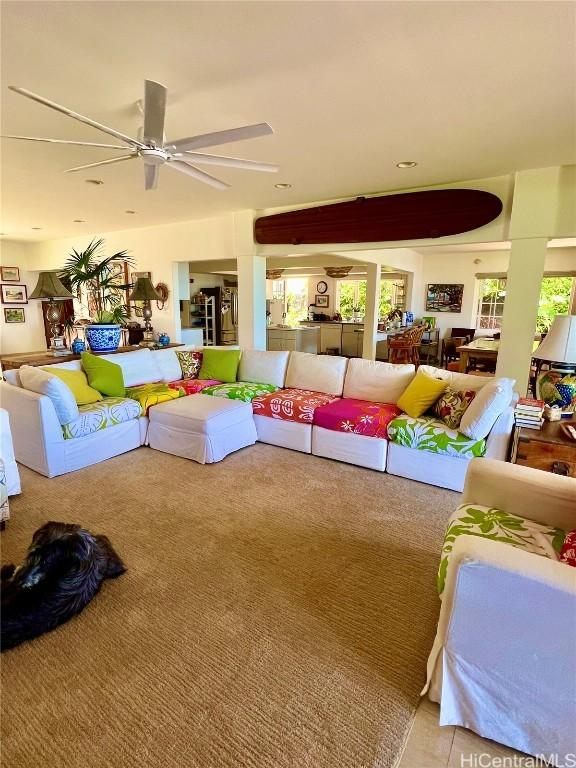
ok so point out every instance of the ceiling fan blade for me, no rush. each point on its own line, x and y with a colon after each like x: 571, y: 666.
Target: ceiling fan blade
x: 75, y: 116
x: 102, y: 162
x: 230, y: 162
x: 196, y: 173
x: 221, y: 137
x: 151, y: 176
x: 63, y: 141
x: 154, y: 112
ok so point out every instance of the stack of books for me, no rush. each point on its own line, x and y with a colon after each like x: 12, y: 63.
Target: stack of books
x: 529, y: 413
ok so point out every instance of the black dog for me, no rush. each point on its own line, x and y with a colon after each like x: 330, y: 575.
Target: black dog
x: 64, y: 568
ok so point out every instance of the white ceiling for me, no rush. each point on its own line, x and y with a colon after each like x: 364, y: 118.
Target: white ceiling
x: 468, y: 90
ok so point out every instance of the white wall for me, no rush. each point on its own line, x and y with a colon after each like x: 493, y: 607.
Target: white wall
x: 154, y: 249
x: 203, y: 280
x: 460, y: 268
x: 27, y: 336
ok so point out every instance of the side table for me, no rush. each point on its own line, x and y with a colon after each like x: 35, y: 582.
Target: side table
x: 547, y: 448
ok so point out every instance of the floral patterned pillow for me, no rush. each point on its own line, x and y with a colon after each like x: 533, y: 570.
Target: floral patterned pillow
x: 452, y: 405
x: 190, y: 363
x: 568, y: 551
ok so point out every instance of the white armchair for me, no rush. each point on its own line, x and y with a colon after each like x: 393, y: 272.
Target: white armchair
x: 503, y: 662
x: 7, y: 455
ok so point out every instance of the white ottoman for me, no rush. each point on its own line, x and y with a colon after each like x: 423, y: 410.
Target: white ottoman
x: 201, y: 427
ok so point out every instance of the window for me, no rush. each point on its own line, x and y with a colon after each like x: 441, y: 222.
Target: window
x: 351, y: 297
x: 555, y: 297
x: 491, y: 303
x: 278, y: 289
x: 295, y: 299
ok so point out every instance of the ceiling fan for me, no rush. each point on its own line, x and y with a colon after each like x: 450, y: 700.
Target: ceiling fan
x: 151, y: 146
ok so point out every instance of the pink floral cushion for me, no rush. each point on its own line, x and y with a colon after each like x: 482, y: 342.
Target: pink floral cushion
x: 192, y: 386
x: 290, y: 404
x: 361, y: 417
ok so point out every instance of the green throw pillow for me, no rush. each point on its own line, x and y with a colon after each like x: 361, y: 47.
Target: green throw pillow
x: 103, y: 375
x: 220, y: 364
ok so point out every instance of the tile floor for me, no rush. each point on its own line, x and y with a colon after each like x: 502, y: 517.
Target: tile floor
x: 432, y: 746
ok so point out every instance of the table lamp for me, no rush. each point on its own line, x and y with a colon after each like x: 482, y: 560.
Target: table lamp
x: 49, y: 287
x: 557, y: 386
x: 144, y: 291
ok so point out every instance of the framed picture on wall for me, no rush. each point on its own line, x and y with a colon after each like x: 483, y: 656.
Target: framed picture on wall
x: 15, y: 315
x: 10, y: 274
x: 14, y: 294
x: 322, y: 301
x: 444, y: 297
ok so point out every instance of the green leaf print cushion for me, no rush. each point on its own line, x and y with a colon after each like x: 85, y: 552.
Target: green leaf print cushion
x: 240, y: 390
x: 492, y: 523
x: 429, y: 434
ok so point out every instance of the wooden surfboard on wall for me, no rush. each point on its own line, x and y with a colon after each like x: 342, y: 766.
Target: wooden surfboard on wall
x: 408, y: 216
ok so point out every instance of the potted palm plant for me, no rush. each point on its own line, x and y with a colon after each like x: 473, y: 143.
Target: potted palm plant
x: 97, y: 276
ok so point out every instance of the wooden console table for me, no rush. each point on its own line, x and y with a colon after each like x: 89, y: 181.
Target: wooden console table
x: 12, y: 361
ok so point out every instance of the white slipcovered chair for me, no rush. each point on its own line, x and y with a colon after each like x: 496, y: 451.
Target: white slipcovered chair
x: 7, y: 455
x: 503, y: 662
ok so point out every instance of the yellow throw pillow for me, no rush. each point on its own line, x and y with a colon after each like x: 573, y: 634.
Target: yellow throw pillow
x: 78, y: 383
x: 420, y: 394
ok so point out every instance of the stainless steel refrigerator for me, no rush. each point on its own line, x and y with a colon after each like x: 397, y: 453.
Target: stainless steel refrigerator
x: 229, y: 316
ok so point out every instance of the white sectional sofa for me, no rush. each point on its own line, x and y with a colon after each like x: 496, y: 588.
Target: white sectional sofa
x: 329, y: 406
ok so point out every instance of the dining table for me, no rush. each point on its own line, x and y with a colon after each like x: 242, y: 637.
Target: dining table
x: 479, y: 349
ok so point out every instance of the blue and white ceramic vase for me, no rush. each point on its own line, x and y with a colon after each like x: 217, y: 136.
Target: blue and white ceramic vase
x: 78, y: 346
x: 103, y: 338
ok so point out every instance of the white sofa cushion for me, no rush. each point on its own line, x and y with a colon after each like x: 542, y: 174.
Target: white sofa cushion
x: 262, y: 367
x: 376, y: 381
x: 168, y: 363
x: 12, y: 377
x: 138, y: 367
x: 318, y: 373
x: 44, y: 383
x: 490, y: 402
x: 461, y: 382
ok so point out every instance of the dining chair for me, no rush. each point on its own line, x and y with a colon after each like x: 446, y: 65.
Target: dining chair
x: 403, y: 348
x: 449, y: 352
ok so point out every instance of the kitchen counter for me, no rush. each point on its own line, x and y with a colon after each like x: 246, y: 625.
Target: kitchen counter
x: 346, y: 337
x: 290, y: 339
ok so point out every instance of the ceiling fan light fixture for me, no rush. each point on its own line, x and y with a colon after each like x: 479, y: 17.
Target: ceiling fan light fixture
x: 283, y: 186
x: 151, y: 146
x: 406, y: 164
x: 274, y: 274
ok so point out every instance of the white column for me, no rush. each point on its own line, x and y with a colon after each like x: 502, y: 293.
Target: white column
x: 251, y: 301
x: 373, y: 273
x: 523, y: 283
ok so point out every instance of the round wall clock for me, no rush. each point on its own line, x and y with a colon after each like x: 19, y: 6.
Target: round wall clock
x: 322, y: 286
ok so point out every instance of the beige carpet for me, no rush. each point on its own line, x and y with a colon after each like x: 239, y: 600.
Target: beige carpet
x: 277, y: 612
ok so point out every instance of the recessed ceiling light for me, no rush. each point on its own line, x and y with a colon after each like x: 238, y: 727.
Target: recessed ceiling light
x: 282, y: 186
x: 130, y: 212
x: 37, y: 228
x: 79, y: 221
x: 406, y: 164
x: 97, y: 182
